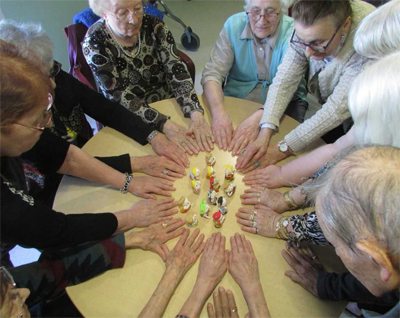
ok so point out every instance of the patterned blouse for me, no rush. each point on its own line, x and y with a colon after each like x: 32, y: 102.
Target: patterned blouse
x: 149, y: 72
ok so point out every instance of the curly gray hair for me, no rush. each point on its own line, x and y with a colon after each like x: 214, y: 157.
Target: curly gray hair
x: 29, y: 38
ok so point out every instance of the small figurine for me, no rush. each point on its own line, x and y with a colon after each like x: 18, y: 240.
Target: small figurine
x: 214, y: 184
x: 212, y: 197
x: 210, y: 172
x: 184, y: 205
x: 218, y: 219
x: 191, y: 220
x: 194, y: 174
x: 204, y: 209
x: 229, y: 172
x: 221, y: 201
x: 210, y: 159
x: 196, y: 185
x: 230, y: 189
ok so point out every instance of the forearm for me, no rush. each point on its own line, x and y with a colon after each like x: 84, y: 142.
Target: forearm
x: 197, y: 298
x: 80, y: 164
x: 214, y: 96
x: 296, y: 171
x: 255, y: 299
x: 157, y: 303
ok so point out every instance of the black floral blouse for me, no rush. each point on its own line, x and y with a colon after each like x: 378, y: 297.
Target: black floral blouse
x: 149, y: 72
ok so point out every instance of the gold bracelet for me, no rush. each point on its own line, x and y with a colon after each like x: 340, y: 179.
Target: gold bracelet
x: 289, y: 200
x: 281, y: 231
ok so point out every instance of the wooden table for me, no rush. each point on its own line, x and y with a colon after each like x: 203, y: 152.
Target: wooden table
x: 124, y: 292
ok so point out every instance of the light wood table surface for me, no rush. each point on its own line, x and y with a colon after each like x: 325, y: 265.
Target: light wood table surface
x: 124, y: 292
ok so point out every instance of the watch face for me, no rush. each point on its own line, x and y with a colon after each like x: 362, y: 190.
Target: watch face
x: 283, y: 147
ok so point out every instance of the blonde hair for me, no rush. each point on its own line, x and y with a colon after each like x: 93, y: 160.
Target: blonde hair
x: 374, y: 103
x: 378, y: 33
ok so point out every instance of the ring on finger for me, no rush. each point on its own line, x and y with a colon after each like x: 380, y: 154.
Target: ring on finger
x: 255, y: 212
x: 233, y: 310
x: 257, y: 164
x: 165, y: 171
x: 253, y: 223
x: 164, y: 225
x: 252, y: 217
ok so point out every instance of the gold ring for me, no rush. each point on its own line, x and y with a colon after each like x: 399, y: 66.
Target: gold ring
x: 234, y: 310
x: 164, y: 225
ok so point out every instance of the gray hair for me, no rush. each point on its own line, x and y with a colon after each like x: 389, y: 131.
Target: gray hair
x: 359, y: 198
x: 97, y: 7
x: 282, y: 3
x: 374, y: 103
x: 378, y: 33
x: 28, y: 38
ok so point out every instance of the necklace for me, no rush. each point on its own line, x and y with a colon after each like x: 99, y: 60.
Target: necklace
x: 127, y: 51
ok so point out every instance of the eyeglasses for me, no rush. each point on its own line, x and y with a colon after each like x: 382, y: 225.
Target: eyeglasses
x: 256, y: 13
x: 316, y: 48
x: 123, y: 15
x: 46, y: 120
x: 55, y: 69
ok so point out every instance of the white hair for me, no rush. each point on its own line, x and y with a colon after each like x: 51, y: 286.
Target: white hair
x: 374, y: 103
x: 29, y: 38
x: 359, y: 198
x: 97, y: 7
x: 378, y: 33
x: 283, y: 3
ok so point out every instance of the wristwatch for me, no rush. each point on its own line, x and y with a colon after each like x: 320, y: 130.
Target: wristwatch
x: 151, y: 136
x: 283, y: 146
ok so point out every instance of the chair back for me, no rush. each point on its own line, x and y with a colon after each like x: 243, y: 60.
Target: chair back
x: 78, y: 66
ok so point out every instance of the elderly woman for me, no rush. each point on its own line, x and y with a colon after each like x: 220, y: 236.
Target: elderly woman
x: 373, y: 102
x: 73, y: 99
x: 322, y: 47
x: 24, y: 220
x: 243, y: 63
x: 357, y: 204
x: 375, y: 38
x: 133, y: 58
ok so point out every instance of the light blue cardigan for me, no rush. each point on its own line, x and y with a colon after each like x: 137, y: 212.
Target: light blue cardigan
x: 242, y: 77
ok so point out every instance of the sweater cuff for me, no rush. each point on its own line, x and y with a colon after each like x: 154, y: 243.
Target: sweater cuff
x: 294, y: 142
x: 121, y: 163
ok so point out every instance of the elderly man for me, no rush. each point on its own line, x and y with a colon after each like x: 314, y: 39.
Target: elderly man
x: 322, y: 47
x: 243, y: 63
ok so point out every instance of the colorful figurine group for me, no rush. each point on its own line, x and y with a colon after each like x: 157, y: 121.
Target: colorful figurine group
x: 212, y: 196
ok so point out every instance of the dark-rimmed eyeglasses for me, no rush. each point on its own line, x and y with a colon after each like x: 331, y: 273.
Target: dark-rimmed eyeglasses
x: 45, y: 121
x: 55, y: 69
x: 295, y: 42
x: 256, y: 13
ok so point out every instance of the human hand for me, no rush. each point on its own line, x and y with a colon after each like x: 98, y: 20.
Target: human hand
x: 258, y: 220
x: 157, y: 166
x: 305, y: 267
x: 223, y: 129
x: 143, y: 186
x: 181, y: 137
x: 269, y: 177
x: 224, y: 305
x: 146, y: 212
x: 249, y: 158
x: 162, y: 146
x: 245, y: 133
x: 201, y: 131
x: 154, y: 236
x: 214, y: 261
x: 267, y: 197
x: 242, y: 264
x: 185, y: 253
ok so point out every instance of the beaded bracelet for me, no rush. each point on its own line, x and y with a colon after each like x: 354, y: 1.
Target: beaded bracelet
x: 128, y: 179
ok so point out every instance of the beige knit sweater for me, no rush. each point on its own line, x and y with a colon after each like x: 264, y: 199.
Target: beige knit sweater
x: 333, y: 86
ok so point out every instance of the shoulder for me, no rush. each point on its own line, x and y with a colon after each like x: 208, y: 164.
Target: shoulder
x: 236, y: 22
